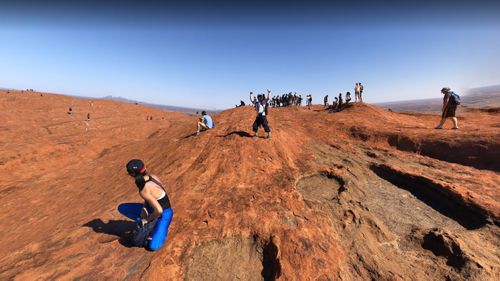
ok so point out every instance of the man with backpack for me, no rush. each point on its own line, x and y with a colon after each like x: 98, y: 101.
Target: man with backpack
x: 450, y: 103
x: 261, y: 104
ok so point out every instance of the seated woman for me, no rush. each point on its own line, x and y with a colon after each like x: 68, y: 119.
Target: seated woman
x: 155, y: 215
x: 347, y: 97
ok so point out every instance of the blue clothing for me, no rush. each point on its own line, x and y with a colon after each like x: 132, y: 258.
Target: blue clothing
x: 208, y: 121
x: 160, y: 231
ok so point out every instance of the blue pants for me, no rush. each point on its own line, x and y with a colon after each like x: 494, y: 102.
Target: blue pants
x: 160, y: 231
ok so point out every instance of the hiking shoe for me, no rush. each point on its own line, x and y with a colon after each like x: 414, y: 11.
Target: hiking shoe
x: 438, y: 128
x: 255, y: 137
x: 454, y: 128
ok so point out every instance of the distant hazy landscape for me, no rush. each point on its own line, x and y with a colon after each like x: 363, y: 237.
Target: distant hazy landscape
x: 187, y: 110
x: 485, y: 97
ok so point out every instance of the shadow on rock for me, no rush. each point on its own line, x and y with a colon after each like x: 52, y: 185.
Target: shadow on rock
x: 239, y: 133
x: 121, y: 228
x: 188, y: 136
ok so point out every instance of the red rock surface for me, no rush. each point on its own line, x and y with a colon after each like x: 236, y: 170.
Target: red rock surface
x: 360, y: 194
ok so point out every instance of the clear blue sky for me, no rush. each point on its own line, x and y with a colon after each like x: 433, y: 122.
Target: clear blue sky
x: 210, y: 56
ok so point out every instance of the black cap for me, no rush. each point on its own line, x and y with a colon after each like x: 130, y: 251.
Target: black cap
x: 135, y: 167
x: 445, y: 90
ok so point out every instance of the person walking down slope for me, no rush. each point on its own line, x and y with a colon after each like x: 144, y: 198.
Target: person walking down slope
x: 261, y: 106
x: 205, y: 123
x: 154, y: 216
x: 450, y: 103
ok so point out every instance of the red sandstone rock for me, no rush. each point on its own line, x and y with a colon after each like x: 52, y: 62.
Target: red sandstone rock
x: 351, y: 195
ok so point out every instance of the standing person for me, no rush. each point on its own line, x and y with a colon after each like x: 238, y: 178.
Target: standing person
x: 325, y: 101
x: 339, y: 105
x: 309, y: 101
x: 205, y: 123
x: 450, y: 103
x: 155, y: 215
x: 261, y: 106
x: 361, y: 88
x: 357, y: 93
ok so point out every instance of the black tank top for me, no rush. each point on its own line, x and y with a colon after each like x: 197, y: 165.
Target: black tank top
x: 164, y: 202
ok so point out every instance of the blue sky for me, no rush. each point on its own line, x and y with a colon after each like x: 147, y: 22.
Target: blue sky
x: 211, y: 56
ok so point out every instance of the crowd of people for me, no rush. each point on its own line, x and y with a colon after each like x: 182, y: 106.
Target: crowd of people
x: 262, y: 103
x: 294, y: 99
x: 286, y: 100
x: 338, y: 102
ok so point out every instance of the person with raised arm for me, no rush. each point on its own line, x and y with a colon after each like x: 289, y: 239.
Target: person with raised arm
x: 261, y: 107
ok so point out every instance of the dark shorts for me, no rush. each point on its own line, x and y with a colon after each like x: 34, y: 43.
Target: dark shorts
x: 449, y: 111
x: 261, y: 121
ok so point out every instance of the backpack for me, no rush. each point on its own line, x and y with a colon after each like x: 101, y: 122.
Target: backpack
x: 454, y: 98
x: 141, y: 232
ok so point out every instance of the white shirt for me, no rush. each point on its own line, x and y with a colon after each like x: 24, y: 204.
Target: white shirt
x: 260, y: 107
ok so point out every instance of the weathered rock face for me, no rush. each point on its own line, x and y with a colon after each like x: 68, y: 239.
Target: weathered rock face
x: 359, y: 195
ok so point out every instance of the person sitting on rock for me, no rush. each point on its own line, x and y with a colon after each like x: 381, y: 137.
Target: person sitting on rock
x: 205, y: 123
x: 335, y: 103
x: 347, y: 97
x: 242, y: 103
x: 261, y: 106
